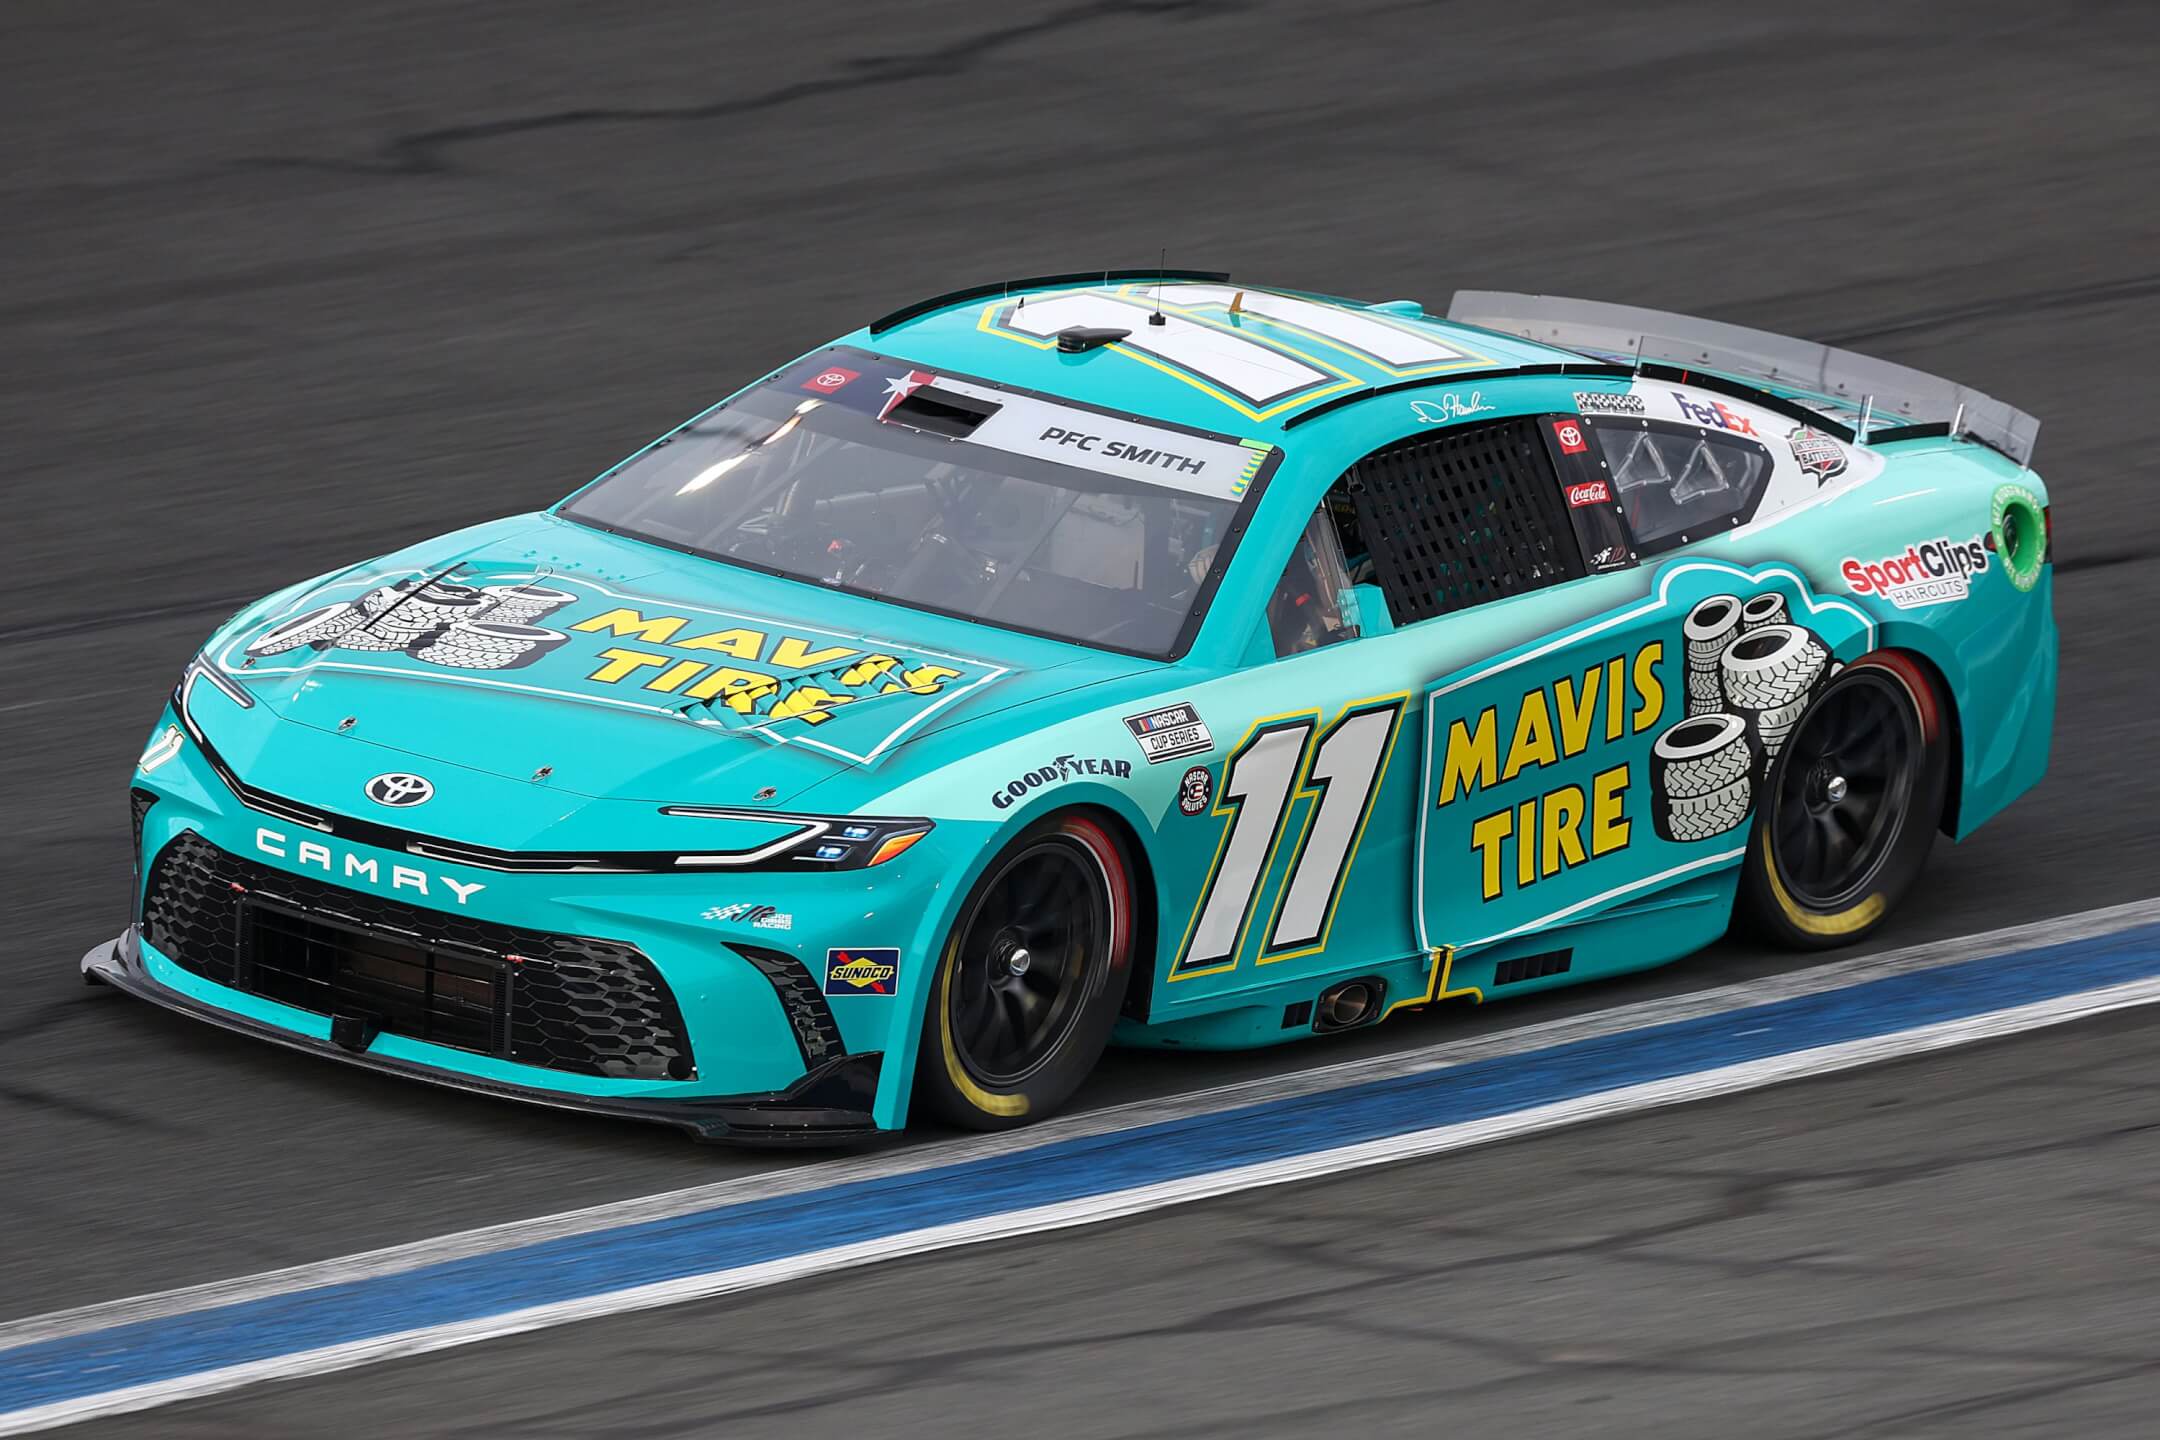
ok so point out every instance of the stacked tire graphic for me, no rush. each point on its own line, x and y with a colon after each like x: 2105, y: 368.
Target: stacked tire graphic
x: 1702, y: 773
x: 459, y: 627
x: 317, y: 627
x: 1750, y: 676
x: 487, y: 645
x: 524, y: 604
x: 1708, y: 629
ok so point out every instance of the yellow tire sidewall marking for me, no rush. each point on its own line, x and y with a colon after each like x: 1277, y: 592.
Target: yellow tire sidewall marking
x: 1004, y: 1106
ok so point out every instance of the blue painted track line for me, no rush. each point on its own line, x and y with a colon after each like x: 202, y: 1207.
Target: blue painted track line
x: 776, y: 1228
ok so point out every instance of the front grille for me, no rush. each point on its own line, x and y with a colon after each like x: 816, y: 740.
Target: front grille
x: 565, y: 1002
x: 1470, y: 515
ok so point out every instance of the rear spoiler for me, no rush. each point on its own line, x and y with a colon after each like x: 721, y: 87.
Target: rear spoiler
x: 1853, y: 395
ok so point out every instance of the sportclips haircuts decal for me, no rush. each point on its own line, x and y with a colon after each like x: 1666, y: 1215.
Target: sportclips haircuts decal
x: 1650, y: 729
x: 571, y: 638
x: 1934, y: 572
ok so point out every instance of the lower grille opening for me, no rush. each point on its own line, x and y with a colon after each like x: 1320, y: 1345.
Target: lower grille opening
x: 572, y: 1003
x: 406, y: 988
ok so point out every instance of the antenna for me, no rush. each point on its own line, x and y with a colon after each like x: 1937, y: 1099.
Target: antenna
x: 1162, y: 259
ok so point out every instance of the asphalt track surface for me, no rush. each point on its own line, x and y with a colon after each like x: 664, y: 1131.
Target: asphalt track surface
x: 289, y: 285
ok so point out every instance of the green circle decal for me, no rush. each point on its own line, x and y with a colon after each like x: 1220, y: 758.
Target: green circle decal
x: 2020, y: 531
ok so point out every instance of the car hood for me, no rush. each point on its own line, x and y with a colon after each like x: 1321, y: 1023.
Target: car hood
x: 539, y: 650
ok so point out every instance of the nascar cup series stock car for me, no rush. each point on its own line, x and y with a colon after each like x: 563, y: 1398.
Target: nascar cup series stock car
x: 1123, y: 657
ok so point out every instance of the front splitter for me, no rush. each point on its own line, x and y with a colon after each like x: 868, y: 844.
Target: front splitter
x: 829, y: 1106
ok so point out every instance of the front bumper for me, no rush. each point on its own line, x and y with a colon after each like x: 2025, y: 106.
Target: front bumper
x: 830, y: 1104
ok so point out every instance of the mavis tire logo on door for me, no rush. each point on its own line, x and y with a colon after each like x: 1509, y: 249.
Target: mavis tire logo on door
x: 1934, y: 573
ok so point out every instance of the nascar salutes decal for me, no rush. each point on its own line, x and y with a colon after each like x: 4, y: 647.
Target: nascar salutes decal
x: 1816, y: 453
x: 1171, y: 733
x: 862, y: 971
x: 1935, y: 572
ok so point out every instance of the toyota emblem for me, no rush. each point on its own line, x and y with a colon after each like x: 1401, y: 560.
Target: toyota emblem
x: 399, y: 789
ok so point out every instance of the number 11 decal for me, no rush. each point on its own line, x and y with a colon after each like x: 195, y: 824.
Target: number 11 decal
x: 1271, y: 766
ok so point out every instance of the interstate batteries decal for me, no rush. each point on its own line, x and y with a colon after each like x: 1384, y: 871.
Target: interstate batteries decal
x: 566, y: 637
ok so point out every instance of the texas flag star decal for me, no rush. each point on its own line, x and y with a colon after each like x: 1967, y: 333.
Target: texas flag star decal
x: 900, y: 387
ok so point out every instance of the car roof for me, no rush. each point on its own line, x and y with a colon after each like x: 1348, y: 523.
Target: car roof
x: 1233, y: 359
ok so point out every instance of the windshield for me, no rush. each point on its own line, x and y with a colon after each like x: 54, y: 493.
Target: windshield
x: 950, y: 494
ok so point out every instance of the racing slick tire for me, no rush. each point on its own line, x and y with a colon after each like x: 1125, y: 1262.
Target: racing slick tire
x: 1850, y: 807
x: 1031, y: 979
x: 1771, y: 667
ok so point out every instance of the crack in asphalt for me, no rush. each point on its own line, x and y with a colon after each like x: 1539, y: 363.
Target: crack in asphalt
x: 424, y: 152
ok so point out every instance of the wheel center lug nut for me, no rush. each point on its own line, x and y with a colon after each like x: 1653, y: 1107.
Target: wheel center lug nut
x: 1834, y: 789
x: 1019, y: 960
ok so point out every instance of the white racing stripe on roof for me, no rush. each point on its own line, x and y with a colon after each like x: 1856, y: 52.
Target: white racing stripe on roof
x: 1391, y: 344
x: 1253, y: 372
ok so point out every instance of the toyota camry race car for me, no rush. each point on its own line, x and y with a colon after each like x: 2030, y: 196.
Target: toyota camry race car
x: 1128, y: 657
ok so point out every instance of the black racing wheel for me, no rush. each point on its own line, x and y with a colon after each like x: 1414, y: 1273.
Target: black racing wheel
x: 1850, y: 807
x: 1031, y: 979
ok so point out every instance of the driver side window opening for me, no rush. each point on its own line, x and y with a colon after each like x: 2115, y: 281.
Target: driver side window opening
x: 1459, y: 518
x: 1313, y: 604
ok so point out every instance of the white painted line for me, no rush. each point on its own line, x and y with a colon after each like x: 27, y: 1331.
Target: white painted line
x: 1676, y: 1090
x: 666, y: 1204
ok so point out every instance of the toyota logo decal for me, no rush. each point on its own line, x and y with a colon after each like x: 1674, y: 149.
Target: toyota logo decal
x: 398, y: 789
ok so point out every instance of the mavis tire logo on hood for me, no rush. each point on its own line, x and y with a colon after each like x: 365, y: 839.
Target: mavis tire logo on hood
x: 668, y: 657
x: 873, y: 971
x: 1933, y: 573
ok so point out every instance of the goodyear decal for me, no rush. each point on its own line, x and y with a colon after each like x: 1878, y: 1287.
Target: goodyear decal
x: 571, y: 638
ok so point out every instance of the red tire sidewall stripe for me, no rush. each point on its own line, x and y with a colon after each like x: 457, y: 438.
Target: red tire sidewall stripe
x: 1098, y: 840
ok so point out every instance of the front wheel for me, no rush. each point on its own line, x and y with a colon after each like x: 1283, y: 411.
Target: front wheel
x: 1031, y: 979
x: 1851, y: 806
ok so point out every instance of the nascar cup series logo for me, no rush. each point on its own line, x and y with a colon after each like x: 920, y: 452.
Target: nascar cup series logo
x: 1934, y: 573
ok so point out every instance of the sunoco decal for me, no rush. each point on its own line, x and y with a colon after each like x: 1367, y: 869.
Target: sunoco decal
x: 571, y: 638
x: 1935, y: 572
x: 860, y: 971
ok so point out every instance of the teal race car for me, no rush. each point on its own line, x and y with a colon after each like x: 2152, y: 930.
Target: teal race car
x: 1121, y: 657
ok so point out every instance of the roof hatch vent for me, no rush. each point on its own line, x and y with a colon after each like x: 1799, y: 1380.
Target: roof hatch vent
x: 1078, y: 339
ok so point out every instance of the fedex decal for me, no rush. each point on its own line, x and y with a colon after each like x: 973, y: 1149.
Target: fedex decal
x: 1933, y: 573
x: 1717, y: 413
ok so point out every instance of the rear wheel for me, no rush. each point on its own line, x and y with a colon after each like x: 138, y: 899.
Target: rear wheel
x: 1850, y: 809
x: 1031, y: 979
